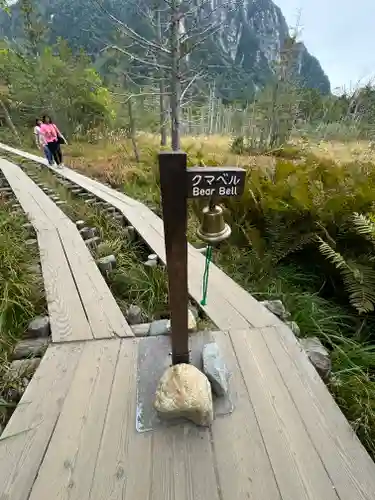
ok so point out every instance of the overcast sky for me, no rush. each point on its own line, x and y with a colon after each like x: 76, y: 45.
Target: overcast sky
x: 340, y: 33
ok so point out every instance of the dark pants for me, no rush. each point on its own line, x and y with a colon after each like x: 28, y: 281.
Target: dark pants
x: 55, y: 150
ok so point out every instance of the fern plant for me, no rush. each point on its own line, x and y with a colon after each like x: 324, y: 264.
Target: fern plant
x: 358, y: 279
x: 363, y: 226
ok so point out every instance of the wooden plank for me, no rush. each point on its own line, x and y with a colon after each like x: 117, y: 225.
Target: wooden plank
x: 299, y: 470
x: 123, y: 468
x: 103, y: 313
x: 86, y: 289
x: 34, y: 213
x: 244, y: 468
x: 344, y: 457
x: 68, y: 467
x: 67, y: 315
x: 26, y: 437
x: 183, y: 464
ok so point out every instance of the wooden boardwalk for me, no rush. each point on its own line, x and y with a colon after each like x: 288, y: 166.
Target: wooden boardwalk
x: 80, y: 304
x: 73, y: 436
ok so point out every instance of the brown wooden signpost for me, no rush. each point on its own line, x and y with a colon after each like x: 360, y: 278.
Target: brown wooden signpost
x: 178, y: 183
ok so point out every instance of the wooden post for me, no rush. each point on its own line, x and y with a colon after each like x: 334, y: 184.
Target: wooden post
x: 173, y: 182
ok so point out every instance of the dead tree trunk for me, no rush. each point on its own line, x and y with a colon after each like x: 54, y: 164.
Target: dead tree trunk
x: 175, y: 75
x: 163, y: 114
x: 9, y: 122
x: 132, y: 130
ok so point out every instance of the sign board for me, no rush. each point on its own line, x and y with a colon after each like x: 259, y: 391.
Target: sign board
x: 221, y: 182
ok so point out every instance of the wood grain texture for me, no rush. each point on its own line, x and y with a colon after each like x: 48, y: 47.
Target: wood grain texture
x: 298, y: 468
x: 123, y: 468
x: 27, y: 435
x: 67, y: 315
x: 244, y: 467
x: 103, y: 313
x: 345, y: 459
x: 68, y: 467
x: 82, y: 306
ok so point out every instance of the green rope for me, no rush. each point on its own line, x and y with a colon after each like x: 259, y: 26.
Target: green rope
x: 205, y: 274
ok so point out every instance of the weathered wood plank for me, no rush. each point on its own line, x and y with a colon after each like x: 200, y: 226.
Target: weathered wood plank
x: 123, y: 468
x: 344, y: 457
x: 244, y: 468
x: 27, y: 435
x: 67, y: 315
x: 83, y: 307
x: 67, y: 470
x: 183, y: 464
x: 103, y: 313
x: 299, y: 470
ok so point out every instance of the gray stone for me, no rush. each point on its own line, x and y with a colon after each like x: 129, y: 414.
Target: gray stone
x: 31, y: 242
x: 89, y: 201
x: 92, y: 242
x: 184, y: 392
x: 130, y: 233
x: 119, y: 218
x: 159, y: 327
x: 61, y: 203
x: 30, y: 348
x: 151, y: 263
x: 39, y: 327
x: 29, y: 227
x: 22, y: 368
x: 134, y: 315
x: 87, y: 232
x: 84, y: 194
x: 35, y: 268
x: 294, y: 327
x: 80, y: 224
x: 277, y: 308
x: 55, y: 198
x: 76, y: 190
x: 141, y: 330
x: 318, y: 355
x: 107, y: 263
x: 215, y: 369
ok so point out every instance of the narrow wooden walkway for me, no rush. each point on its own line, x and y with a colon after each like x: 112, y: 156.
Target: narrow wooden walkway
x: 73, y: 435
x: 80, y: 304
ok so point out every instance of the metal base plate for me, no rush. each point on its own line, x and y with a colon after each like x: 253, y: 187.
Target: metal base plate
x: 154, y: 357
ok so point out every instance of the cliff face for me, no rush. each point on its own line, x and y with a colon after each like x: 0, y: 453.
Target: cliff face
x: 241, y: 54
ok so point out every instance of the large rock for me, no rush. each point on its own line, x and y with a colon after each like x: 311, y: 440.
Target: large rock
x: 185, y: 392
x: 318, y: 355
x: 215, y: 369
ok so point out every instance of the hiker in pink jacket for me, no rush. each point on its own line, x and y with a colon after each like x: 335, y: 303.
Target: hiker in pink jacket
x: 53, y: 138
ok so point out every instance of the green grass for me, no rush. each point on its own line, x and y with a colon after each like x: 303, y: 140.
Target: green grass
x: 21, y: 297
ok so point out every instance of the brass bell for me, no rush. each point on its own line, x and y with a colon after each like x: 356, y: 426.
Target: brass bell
x: 213, y: 227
